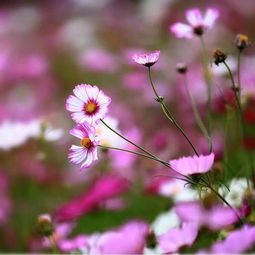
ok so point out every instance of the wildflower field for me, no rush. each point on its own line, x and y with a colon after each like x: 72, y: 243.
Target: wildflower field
x: 127, y: 126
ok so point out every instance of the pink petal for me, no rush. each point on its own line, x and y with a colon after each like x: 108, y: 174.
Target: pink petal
x: 181, y: 30
x: 194, y: 17
x: 77, y: 154
x: 210, y: 17
x: 74, y: 104
x: 81, y: 91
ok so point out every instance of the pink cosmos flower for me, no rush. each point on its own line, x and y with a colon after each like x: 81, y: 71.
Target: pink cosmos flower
x: 72, y: 244
x: 215, y: 218
x: 87, y: 152
x: 177, y: 237
x: 237, y: 242
x: 147, y: 59
x: 193, y: 165
x: 197, y: 23
x: 88, y: 104
x: 128, y: 239
x: 104, y: 188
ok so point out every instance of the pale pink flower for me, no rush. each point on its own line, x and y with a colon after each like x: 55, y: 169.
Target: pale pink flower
x: 86, y: 153
x: 128, y: 239
x: 193, y: 165
x: 237, y: 242
x: 72, y: 244
x: 197, y: 23
x: 215, y: 218
x: 88, y: 103
x: 177, y: 237
x: 148, y: 59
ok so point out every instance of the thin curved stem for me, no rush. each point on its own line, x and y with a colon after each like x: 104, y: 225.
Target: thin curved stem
x: 223, y: 199
x: 148, y: 154
x: 168, y: 113
x: 235, y: 90
x: 198, y: 118
x: 134, y: 152
x: 129, y: 141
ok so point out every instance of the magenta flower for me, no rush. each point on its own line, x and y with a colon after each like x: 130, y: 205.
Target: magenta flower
x: 193, y: 165
x: 197, y: 23
x: 147, y: 59
x: 128, y: 239
x: 104, y: 188
x: 237, y: 242
x: 214, y: 218
x: 88, y: 104
x: 86, y: 153
x: 177, y: 237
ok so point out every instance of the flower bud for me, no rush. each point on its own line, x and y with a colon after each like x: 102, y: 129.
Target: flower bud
x: 219, y: 57
x: 181, y: 68
x: 44, y: 223
x: 242, y: 41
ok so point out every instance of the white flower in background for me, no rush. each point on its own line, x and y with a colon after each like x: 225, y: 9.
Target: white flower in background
x: 177, y: 190
x: 237, y: 189
x: 164, y: 222
x: 14, y: 134
x: 106, y: 136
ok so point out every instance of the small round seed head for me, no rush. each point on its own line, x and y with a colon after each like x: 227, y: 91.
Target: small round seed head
x: 181, y: 68
x: 242, y: 41
x: 219, y: 57
x: 45, y: 225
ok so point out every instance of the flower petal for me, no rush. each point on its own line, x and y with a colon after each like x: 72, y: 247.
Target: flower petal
x: 181, y: 30
x: 74, y: 104
x: 194, y: 17
x: 210, y: 17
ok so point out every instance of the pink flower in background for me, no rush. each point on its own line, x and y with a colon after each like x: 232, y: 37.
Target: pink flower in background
x: 148, y: 59
x: 98, y: 60
x: 197, y: 23
x: 236, y: 242
x: 87, y: 152
x: 103, y: 189
x: 88, y: 104
x: 128, y: 239
x: 193, y: 165
x: 214, y: 218
x: 178, y: 237
x: 72, y: 244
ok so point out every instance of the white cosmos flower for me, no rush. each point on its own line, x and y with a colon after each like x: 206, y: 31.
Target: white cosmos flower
x: 15, y: 133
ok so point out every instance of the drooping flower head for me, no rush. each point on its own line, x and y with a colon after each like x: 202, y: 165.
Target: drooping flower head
x: 148, y: 59
x: 197, y: 23
x: 193, y: 165
x: 88, y: 103
x: 86, y: 153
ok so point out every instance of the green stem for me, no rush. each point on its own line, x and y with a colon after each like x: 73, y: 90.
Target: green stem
x: 223, y: 199
x: 168, y: 114
x: 198, y: 118
x: 129, y: 141
x: 148, y: 154
x: 235, y: 90
x: 136, y: 153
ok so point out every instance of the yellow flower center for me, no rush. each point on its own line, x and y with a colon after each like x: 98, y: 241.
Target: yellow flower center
x: 86, y: 142
x: 243, y: 37
x: 90, y: 107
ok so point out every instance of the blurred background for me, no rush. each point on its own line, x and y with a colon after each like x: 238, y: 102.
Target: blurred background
x: 46, y: 48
